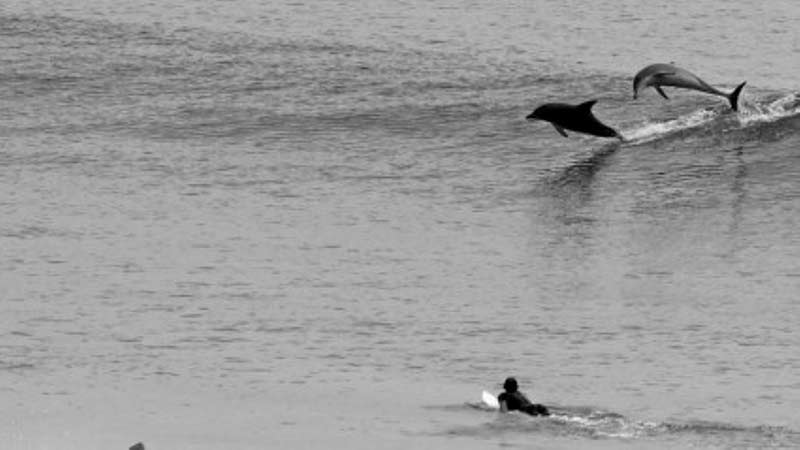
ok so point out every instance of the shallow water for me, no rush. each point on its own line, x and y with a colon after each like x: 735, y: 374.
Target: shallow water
x: 307, y: 224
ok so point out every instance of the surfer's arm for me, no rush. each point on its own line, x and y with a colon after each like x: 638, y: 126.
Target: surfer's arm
x: 501, y: 400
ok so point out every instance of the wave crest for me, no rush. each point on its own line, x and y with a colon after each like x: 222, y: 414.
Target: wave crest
x: 655, y: 130
x: 786, y: 106
x: 750, y: 114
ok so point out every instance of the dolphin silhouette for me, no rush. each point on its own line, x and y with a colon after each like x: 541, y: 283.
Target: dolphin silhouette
x: 573, y: 117
x: 657, y: 75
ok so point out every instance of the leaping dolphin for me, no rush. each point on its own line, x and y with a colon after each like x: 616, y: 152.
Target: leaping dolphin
x: 573, y: 117
x: 657, y: 75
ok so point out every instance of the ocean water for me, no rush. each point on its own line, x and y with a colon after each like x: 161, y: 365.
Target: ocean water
x: 327, y: 224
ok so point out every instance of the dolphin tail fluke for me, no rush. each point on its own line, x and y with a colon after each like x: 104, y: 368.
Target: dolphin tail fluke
x: 734, y: 96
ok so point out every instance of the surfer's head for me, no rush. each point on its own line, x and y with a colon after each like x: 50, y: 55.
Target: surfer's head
x: 510, y: 384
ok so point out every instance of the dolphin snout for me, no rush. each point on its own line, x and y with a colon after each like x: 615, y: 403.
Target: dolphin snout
x: 637, y: 86
x: 531, y: 116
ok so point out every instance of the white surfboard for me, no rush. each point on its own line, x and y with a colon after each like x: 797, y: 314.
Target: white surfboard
x: 490, y: 400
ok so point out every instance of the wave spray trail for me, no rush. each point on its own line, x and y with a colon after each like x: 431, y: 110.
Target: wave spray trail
x: 654, y: 130
x: 782, y: 107
x: 749, y: 114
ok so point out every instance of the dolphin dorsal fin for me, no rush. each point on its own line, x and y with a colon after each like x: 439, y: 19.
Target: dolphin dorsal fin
x: 587, y: 106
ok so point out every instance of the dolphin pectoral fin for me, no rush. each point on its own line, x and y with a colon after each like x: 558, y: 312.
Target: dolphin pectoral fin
x: 660, y: 91
x: 560, y: 130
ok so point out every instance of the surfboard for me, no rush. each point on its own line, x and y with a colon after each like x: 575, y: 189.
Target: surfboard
x: 490, y: 400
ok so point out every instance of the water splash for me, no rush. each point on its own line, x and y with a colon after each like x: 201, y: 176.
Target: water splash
x: 654, y: 130
x: 751, y: 113
x: 786, y: 106
x: 596, y: 423
x: 605, y: 424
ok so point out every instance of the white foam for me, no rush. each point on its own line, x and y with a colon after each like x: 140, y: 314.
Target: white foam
x: 749, y: 114
x: 786, y: 106
x: 618, y: 427
x: 653, y: 130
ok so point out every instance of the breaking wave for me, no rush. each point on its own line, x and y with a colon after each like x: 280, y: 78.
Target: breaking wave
x: 651, y: 131
x: 600, y: 424
x: 771, y: 111
x: 750, y: 114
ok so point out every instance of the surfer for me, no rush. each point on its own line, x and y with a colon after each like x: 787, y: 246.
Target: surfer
x: 514, y: 400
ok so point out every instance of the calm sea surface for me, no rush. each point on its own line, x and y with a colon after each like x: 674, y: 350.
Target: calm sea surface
x: 326, y: 224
